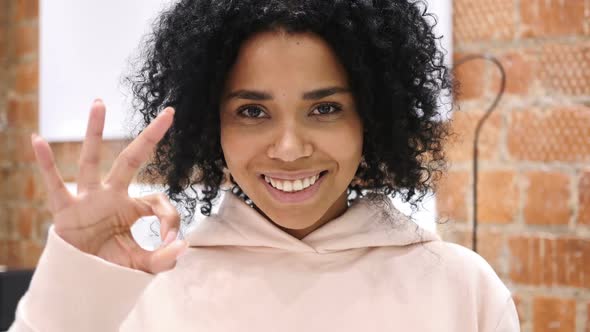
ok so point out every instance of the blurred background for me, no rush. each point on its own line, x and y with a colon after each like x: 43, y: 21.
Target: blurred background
x: 533, y: 198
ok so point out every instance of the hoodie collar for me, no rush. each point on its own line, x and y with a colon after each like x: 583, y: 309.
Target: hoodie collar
x: 370, y: 221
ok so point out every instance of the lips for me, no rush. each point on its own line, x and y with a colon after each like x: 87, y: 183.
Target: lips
x: 292, y: 185
x: 293, y: 190
x: 292, y: 175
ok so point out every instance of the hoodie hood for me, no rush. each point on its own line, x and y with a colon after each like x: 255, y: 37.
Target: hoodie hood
x: 370, y: 221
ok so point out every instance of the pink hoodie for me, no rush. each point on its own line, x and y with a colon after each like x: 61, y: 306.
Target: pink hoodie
x: 371, y: 269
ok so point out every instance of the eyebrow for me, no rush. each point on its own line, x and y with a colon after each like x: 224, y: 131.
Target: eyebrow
x: 309, y: 95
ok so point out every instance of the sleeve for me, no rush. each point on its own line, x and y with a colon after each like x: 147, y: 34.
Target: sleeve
x: 509, y: 321
x: 74, y: 291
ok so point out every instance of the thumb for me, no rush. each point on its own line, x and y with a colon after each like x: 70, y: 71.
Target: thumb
x: 163, y: 258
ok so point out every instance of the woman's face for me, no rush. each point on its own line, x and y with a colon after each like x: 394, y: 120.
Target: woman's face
x: 290, y: 133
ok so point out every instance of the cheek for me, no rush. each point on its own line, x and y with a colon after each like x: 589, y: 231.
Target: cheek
x: 238, y: 148
x: 344, y: 146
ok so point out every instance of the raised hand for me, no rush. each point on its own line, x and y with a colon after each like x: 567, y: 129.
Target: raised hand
x: 98, y: 219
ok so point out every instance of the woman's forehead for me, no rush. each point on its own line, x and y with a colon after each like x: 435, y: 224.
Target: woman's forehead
x: 276, y: 58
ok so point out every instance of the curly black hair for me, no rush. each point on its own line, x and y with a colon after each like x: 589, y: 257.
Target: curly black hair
x: 388, y: 48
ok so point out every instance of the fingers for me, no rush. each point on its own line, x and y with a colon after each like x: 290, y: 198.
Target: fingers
x: 162, y: 208
x: 89, y: 176
x: 138, y: 151
x: 58, y: 195
x: 164, y: 258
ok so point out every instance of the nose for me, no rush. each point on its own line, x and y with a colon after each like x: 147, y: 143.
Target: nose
x: 289, y: 144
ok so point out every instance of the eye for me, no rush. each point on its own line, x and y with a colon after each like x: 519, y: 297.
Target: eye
x: 326, y: 109
x: 251, y: 112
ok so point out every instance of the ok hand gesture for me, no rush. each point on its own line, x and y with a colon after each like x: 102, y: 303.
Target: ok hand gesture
x: 98, y: 219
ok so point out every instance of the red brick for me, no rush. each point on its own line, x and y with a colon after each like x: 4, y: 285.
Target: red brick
x: 451, y: 197
x: 22, y: 113
x: 450, y: 234
x: 20, y: 150
x: 554, y: 314
x: 558, y: 134
x: 547, y: 198
x: 11, y: 253
x: 2, y: 254
x: 7, y: 229
x: 520, y: 70
x: 17, y: 222
x: 564, y: 69
x: 19, y: 183
x: 498, y: 196
x: 460, y: 146
x: 472, y: 78
x: 475, y: 21
x: 27, y: 40
x: 20, y: 254
x: 5, y: 178
x: 23, y: 217
x: 522, y: 257
x: 5, y: 13
x: 4, y: 148
x: 66, y: 153
x: 66, y: 157
x: 43, y: 221
x: 26, y: 10
x: 521, y: 307
x: 30, y: 185
x: 3, y: 43
x: 30, y: 253
x: 491, y: 246
x: 541, y: 18
x: 572, y: 265
x: 549, y: 261
x: 584, y: 198
x: 27, y: 77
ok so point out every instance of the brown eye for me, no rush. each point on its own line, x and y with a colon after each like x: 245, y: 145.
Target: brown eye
x: 251, y: 112
x: 326, y: 109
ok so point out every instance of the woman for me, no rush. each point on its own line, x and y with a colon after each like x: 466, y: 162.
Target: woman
x: 317, y: 111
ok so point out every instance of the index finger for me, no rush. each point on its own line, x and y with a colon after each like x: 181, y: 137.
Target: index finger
x: 138, y: 151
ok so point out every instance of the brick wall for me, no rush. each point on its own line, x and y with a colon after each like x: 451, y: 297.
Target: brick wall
x: 534, y: 198
x: 534, y: 182
x: 23, y: 215
x: 20, y: 242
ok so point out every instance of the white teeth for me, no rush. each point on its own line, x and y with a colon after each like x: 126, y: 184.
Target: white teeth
x: 290, y: 186
x: 279, y: 185
x: 306, y: 183
x: 313, y: 179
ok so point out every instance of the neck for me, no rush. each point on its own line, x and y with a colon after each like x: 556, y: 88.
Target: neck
x: 336, y: 210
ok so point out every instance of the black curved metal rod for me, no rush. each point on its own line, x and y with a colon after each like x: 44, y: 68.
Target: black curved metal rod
x: 479, y: 127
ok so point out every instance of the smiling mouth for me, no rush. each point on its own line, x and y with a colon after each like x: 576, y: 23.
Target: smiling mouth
x: 293, y: 186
